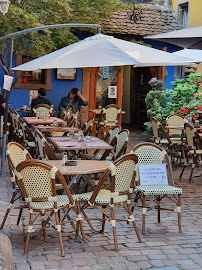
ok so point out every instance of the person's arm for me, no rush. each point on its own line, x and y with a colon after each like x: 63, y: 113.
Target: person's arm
x: 83, y: 101
x: 2, y: 102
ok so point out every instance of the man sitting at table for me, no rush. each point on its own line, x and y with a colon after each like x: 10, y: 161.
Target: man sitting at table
x: 74, y: 100
x: 40, y: 99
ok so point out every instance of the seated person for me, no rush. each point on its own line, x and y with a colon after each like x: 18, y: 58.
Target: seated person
x: 74, y: 100
x: 40, y: 99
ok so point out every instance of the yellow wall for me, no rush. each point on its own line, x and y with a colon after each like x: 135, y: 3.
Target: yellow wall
x: 195, y: 17
x: 195, y: 7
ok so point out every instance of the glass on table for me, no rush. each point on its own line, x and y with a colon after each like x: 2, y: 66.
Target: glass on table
x: 71, y: 133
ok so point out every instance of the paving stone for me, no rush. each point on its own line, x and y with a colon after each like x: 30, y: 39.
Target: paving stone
x: 162, y: 245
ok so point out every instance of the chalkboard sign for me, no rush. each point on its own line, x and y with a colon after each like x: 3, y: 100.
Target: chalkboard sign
x: 153, y: 174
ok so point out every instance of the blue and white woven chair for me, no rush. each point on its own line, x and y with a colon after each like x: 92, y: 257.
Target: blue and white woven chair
x: 123, y: 172
x: 15, y: 154
x: 36, y: 181
x: 149, y: 153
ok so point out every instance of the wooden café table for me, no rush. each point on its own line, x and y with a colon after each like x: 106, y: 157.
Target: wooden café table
x: 83, y: 167
x: 43, y: 128
x: 72, y: 144
x: 46, y: 121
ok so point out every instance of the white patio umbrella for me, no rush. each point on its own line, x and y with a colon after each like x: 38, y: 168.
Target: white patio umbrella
x: 195, y: 55
x: 101, y: 50
x: 190, y: 38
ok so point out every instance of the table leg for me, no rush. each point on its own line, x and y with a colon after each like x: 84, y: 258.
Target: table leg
x: 95, y: 230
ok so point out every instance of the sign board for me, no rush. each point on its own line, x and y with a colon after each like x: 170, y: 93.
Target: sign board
x: 66, y: 73
x: 112, y: 92
x: 32, y: 94
x: 153, y: 174
x: 7, y: 82
x: 105, y: 73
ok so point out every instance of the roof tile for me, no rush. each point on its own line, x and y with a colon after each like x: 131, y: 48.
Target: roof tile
x: 154, y: 20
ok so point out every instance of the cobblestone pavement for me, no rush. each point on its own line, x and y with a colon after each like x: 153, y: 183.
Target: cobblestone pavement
x: 161, y: 246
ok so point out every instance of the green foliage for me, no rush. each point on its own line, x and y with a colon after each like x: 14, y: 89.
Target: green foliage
x: 185, y: 98
x: 31, y: 14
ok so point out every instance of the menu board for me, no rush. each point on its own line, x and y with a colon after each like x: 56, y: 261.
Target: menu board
x: 153, y: 174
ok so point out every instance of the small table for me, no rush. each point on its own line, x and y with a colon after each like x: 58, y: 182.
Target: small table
x: 67, y: 143
x: 37, y: 121
x: 59, y: 129
x: 82, y: 167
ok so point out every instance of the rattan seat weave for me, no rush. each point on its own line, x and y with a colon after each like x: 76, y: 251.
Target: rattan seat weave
x: 104, y: 196
x: 158, y: 190
x: 198, y: 152
x: 110, y: 124
x: 61, y: 201
x: 162, y: 141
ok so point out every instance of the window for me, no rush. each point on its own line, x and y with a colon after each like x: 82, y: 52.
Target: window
x: 31, y: 79
x: 183, y: 15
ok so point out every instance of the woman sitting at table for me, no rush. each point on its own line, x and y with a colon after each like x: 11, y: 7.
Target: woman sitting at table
x: 40, y: 99
x: 74, y: 100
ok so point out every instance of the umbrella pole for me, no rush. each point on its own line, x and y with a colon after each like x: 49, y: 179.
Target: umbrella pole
x: 3, y: 155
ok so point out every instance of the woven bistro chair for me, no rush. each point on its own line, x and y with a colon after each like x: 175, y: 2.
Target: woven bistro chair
x: 109, y: 118
x: 194, y: 148
x: 36, y: 181
x: 112, y: 133
x: 15, y: 153
x: 175, y: 120
x: 149, y: 153
x: 122, y: 172
x: 119, y: 144
x: 27, y: 136
x: 74, y: 120
x: 174, y: 147
x: 43, y: 108
x: 43, y: 149
x: 87, y: 127
x: 16, y: 125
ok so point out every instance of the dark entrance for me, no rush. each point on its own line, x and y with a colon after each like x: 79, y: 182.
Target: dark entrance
x: 138, y: 91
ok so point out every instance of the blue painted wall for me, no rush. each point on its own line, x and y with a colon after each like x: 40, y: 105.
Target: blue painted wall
x: 61, y: 88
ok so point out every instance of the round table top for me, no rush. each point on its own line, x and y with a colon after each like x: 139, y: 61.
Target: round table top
x: 82, y: 167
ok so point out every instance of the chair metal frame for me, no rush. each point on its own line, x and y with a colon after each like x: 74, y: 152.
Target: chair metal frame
x: 36, y: 181
x: 150, y: 153
x: 118, y: 196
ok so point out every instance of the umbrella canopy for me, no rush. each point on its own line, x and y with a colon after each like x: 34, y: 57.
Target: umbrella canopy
x: 101, y: 50
x: 186, y: 38
x: 195, y: 55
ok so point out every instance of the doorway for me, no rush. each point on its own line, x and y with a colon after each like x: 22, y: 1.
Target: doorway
x: 138, y: 91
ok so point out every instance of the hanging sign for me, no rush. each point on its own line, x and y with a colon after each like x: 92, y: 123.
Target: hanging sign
x: 105, y: 73
x: 153, y: 174
x: 112, y: 92
x: 7, y: 82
